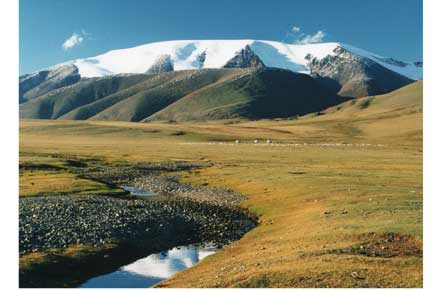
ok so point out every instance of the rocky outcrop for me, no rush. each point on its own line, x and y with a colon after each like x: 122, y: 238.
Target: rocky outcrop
x: 200, y: 61
x: 162, y: 64
x: 244, y: 58
x: 352, y: 75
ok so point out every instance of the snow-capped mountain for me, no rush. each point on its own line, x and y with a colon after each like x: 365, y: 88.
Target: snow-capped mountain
x: 342, y: 68
x: 196, y: 54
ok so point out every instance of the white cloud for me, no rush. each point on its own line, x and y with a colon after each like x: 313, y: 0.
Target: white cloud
x: 296, y: 29
x: 75, y: 39
x: 312, y: 38
x: 72, y: 41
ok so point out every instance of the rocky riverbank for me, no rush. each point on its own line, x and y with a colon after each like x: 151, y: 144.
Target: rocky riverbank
x: 60, y: 221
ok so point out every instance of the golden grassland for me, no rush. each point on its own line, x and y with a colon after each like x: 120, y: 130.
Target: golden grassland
x: 47, y: 182
x: 322, y: 185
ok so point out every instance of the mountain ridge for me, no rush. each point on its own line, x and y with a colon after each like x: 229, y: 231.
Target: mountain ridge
x: 184, y: 52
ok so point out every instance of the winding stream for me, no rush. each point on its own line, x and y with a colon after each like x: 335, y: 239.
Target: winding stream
x: 152, y: 269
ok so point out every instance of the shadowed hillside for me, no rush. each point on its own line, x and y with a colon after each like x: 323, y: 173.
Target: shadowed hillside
x: 264, y: 93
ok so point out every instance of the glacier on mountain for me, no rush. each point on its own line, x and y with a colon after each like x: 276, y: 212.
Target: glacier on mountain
x: 196, y: 54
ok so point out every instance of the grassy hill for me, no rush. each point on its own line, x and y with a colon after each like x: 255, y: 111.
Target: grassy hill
x: 59, y: 102
x: 184, y: 95
x: 398, y: 114
x: 263, y: 93
x: 147, y: 102
x: 407, y: 99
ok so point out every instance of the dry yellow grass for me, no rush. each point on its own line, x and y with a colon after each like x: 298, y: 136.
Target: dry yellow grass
x: 312, y: 198
x: 46, y: 182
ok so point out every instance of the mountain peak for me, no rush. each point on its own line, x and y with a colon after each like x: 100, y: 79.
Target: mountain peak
x: 244, y: 58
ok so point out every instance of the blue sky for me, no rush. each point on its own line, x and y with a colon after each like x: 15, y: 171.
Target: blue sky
x: 54, y: 31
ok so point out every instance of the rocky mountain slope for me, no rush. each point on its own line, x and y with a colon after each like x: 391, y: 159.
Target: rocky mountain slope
x: 348, y: 74
x: 39, y: 83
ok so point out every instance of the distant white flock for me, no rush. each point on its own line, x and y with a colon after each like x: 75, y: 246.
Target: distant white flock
x: 270, y: 142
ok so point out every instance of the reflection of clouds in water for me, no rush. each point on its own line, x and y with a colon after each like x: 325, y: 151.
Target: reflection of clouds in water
x: 166, y: 263
x: 152, y: 269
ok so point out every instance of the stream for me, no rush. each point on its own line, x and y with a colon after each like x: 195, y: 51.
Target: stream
x: 152, y: 269
x: 138, y: 191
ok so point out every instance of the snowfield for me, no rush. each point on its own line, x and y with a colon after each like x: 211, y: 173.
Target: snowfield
x: 187, y: 54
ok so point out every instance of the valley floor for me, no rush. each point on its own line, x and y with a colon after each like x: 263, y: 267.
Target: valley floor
x: 339, y: 199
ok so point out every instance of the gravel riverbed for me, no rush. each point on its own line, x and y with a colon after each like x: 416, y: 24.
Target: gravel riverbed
x: 59, y: 221
x: 150, y: 177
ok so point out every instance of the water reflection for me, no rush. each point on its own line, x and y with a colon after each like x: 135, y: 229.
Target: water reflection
x: 152, y: 269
